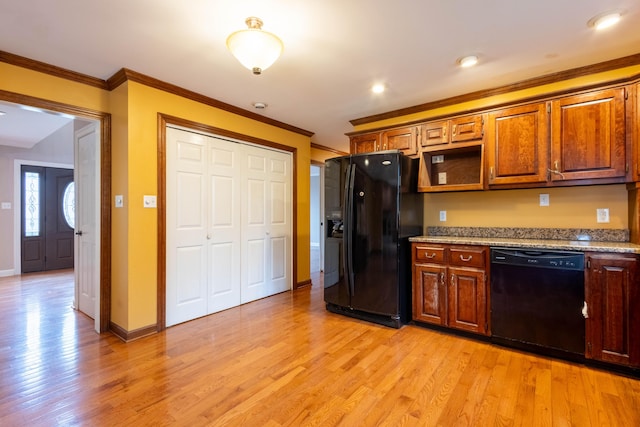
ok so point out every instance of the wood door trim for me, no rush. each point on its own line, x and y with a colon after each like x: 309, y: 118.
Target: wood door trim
x: 163, y: 121
x: 105, y: 186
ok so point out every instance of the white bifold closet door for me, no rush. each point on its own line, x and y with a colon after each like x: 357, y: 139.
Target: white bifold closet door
x: 229, y: 226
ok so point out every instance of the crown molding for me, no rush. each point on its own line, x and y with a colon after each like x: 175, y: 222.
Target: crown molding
x: 125, y: 74
x: 52, y: 70
x: 325, y: 148
x: 524, y: 84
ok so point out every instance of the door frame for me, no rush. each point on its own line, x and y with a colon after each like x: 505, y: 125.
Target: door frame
x: 105, y: 187
x: 165, y: 120
x: 322, y: 225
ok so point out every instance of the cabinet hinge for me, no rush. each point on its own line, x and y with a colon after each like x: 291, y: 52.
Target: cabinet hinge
x: 626, y: 93
x: 548, y: 107
x: 588, y: 263
x: 626, y: 168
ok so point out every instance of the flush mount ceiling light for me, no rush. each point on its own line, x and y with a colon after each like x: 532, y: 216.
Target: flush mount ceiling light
x: 377, y: 88
x: 604, y: 20
x: 254, y: 48
x: 259, y: 105
x: 468, y: 61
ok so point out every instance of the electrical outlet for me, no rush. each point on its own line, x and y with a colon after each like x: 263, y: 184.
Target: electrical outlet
x: 443, y: 216
x: 442, y: 178
x: 602, y: 215
x: 544, y: 200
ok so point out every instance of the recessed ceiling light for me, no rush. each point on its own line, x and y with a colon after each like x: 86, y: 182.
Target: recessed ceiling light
x: 468, y: 61
x: 377, y: 88
x: 260, y: 105
x: 605, y: 20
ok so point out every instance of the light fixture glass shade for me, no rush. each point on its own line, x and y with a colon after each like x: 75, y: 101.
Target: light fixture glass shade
x: 254, y: 48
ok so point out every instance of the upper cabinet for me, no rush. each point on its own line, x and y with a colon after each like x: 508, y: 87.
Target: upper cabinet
x: 459, y: 129
x: 517, y: 145
x: 584, y: 138
x: 404, y: 139
x: 588, y: 138
x: 365, y: 143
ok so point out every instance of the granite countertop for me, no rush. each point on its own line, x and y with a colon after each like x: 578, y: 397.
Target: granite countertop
x: 565, y: 239
x: 565, y: 245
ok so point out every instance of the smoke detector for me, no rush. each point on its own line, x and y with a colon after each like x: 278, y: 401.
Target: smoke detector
x: 259, y: 105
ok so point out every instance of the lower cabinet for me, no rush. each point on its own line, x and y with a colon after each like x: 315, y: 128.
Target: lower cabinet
x: 450, y: 286
x: 612, y: 297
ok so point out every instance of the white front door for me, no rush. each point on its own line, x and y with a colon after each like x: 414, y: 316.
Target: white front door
x: 87, y: 227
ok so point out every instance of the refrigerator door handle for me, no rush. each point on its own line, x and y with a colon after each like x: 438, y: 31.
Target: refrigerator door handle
x: 349, y: 228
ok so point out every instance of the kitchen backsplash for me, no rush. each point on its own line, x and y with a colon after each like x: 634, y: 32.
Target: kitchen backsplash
x: 596, y: 234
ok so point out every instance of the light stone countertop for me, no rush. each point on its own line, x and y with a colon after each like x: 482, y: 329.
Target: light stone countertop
x: 565, y: 245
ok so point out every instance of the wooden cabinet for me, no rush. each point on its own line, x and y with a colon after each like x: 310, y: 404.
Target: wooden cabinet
x: 456, y: 130
x: 612, y: 297
x: 365, y: 143
x: 404, y: 139
x: 450, y: 286
x: 588, y: 138
x: 517, y: 141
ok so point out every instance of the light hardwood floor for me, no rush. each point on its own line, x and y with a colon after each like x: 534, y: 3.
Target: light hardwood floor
x: 279, y: 361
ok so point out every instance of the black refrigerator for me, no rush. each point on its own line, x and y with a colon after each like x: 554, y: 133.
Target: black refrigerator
x: 372, y: 208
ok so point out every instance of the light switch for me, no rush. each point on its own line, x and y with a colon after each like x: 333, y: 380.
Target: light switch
x: 119, y: 201
x: 149, y: 201
x: 443, y: 216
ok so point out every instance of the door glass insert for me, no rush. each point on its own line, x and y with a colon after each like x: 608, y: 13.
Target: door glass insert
x: 69, y: 205
x: 32, y: 204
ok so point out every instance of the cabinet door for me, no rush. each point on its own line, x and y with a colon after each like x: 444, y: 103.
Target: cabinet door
x: 367, y: 143
x: 435, y: 133
x: 467, y: 300
x: 588, y: 136
x: 613, y: 305
x: 467, y: 128
x: 517, y: 145
x: 429, y: 294
x: 404, y: 139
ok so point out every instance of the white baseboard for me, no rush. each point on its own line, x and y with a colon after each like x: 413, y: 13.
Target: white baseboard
x: 7, y: 273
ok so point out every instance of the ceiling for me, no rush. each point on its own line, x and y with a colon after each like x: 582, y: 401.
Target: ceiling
x: 334, y: 49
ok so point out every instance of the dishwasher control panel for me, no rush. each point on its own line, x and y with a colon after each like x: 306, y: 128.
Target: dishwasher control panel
x: 564, y: 260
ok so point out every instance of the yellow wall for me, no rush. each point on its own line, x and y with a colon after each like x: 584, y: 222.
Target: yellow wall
x: 569, y: 207
x: 318, y: 155
x: 134, y: 109
x: 144, y: 104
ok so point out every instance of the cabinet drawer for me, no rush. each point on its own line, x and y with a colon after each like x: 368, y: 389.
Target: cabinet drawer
x: 428, y: 254
x: 468, y: 257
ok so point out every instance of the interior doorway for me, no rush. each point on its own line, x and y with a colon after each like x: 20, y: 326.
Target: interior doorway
x: 316, y: 208
x: 57, y: 148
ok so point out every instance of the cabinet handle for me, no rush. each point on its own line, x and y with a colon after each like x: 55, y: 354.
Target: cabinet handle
x: 491, y: 173
x: 455, y: 127
x: 444, y: 132
x: 466, y: 259
x: 585, y: 310
x: 555, y: 170
x: 433, y: 255
x: 453, y: 280
x: 442, y: 282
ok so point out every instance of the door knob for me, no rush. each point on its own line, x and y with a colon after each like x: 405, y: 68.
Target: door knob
x: 79, y: 233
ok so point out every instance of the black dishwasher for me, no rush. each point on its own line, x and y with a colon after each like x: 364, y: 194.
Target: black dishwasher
x: 536, y: 300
